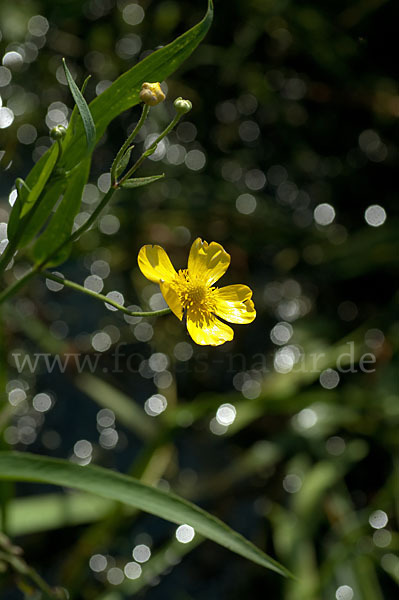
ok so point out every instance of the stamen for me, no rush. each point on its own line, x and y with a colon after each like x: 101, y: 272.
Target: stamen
x: 193, y: 295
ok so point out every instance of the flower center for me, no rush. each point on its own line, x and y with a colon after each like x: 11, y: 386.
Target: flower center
x: 194, y: 295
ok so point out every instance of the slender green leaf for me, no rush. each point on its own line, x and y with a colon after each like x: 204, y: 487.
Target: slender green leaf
x: 13, y: 222
x: 17, y: 466
x: 60, y: 226
x: 23, y: 191
x: 18, y: 221
x: 22, y: 187
x: 31, y: 181
x: 140, y: 181
x: 124, y: 92
x: 36, y: 190
x: 75, y: 112
x: 87, y: 119
x: 122, y: 164
x: 121, y: 95
x: 42, y: 512
x: 32, y: 223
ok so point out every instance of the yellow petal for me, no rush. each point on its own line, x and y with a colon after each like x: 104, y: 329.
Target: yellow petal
x: 154, y: 263
x: 233, y: 303
x: 171, y: 298
x: 208, y: 331
x: 207, y: 262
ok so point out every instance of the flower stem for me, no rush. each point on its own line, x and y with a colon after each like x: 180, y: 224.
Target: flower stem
x: 129, y: 140
x: 86, y: 225
x: 102, y: 298
x: 12, y: 246
x: 151, y: 149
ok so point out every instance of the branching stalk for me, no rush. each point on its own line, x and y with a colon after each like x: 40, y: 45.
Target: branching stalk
x: 129, y: 140
x: 102, y: 298
x: 150, y: 150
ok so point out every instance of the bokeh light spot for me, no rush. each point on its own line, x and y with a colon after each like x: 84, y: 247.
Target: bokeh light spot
x: 324, y: 214
x: 344, y: 592
x: 185, y: 534
x: 378, y: 519
x: 6, y: 117
x: 329, y: 379
x: 375, y: 215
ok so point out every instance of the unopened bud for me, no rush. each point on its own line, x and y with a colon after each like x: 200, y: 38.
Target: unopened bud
x: 151, y: 94
x: 182, y: 106
x: 58, y: 132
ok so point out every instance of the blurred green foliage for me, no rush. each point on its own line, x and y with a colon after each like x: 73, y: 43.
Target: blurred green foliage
x: 291, y: 140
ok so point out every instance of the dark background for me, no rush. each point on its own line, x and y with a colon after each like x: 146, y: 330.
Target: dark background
x: 295, y: 105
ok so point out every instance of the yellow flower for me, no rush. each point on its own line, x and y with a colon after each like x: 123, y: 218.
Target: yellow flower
x: 189, y: 292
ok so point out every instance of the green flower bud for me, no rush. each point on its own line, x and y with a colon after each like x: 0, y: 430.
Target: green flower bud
x: 58, y: 132
x: 182, y: 106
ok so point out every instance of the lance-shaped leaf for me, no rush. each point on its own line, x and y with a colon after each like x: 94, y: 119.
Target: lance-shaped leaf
x: 140, y: 181
x: 33, y: 222
x: 60, y: 226
x: 32, y: 182
x: 87, y: 119
x: 119, y: 167
x: 17, y: 466
x: 13, y: 222
x: 75, y: 112
x: 48, y: 164
x: 124, y: 92
x: 121, y: 95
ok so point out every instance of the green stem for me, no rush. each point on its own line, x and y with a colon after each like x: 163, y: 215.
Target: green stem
x: 60, y: 150
x: 129, y: 140
x: 9, y: 251
x: 102, y: 298
x: 151, y: 149
x: 74, y: 236
x: 13, y: 289
x: 51, y: 594
x: 20, y: 566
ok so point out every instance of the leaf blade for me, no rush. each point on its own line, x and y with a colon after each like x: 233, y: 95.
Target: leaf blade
x: 16, y: 466
x: 35, y: 222
x: 157, y: 66
x: 140, y: 181
x: 83, y: 108
x: 36, y: 190
x: 60, y: 226
x: 44, y: 512
x: 75, y: 112
x: 122, y: 164
x: 124, y: 92
x: 31, y: 180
